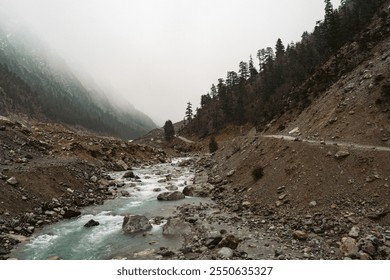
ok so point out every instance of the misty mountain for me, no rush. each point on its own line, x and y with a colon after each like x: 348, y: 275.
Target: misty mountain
x: 36, y: 82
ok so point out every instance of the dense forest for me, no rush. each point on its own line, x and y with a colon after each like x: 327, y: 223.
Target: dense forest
x: 286, y: 77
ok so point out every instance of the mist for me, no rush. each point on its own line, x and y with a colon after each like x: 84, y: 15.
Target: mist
x: 159, y: 55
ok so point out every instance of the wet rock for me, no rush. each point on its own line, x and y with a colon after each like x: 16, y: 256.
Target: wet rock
x: 71, y: 213
x: 12, y: 181
x: 349, y: 247
x: 135, y: 223
x: 157, y: 189
x: 169, y: 196
x: 125, y: 193
x: 300, y: 235
x: 229, y: 241
x: 128, y: 174
x: 171, y: 188
x: 91, y: 223
x: 175, y: 226
x: 225, y: 253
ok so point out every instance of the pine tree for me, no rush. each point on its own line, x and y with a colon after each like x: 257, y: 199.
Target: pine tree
x: 252, y: 69
x: 189, y: 113
x: 280, y: 50
x: 169, y: 131
x: 243, y: 71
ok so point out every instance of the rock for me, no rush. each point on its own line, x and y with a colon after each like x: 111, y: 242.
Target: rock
x: 364, y: 256
x: 354, y: 232
x: 128, y: 174
x: 230, y: 173
x: 282, y: 196
x: 12, y: 181
x: 348, y: 247
x: 229, y: 241
x: 225, y: 253
x: 369, y: 248
x: 168, y: 196
x: 145, y: 253
x: 343, y: 153
x: 300, y: 235
x: 125, y: 193
x: 94, y: 179
x: 313, y: 203
x: 135, y: 223
x: 171, y: 188
x: 349, y: 87
x: 122, y: 164
x: 198, y: 190
x: 157, y: 189
x: 175, y: 226
x: 71, y: 213
x: 91, y: 223
x: 54, y: 258
x: 278, y: 203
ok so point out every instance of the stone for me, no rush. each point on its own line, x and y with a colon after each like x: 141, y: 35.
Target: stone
x: 71, y: 213
x: 282, y: 196
x: 91, y: 223
x: 12, y: 181
x: 354, y: 232
x: 198, y: 190
x: 230, y: 173
x: 122, y: 164
x: 172, y: 188
x: 94, y: 179
x: 349, y: 247
x: 157, y: 189
x: 169, y: 196
x: 125, y: 193
x: 343, y: 153
x: 364, y: 256
x: 135, y: 223
x: 278, y: 203
x: 300, y: 235
x: 225, y: 253
x: 128, y: 174
x: 229, y: 241
x: 176, y: 226
x: 313, y: 203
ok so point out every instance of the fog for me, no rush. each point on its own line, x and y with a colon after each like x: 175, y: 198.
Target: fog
x: 161, y: 54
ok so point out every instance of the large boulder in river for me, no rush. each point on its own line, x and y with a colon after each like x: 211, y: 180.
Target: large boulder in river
x: 91, y: 223
x: 135, y: 223
x: 175, y: 226
x: 168, y: 196
x: 198, y: 190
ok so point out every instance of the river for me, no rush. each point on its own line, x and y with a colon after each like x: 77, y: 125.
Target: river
x: 69, y: 239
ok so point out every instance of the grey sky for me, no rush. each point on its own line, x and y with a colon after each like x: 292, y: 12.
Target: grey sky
x: 160, y: 54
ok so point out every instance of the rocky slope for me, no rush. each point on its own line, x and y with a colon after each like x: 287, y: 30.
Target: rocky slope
x: 48, y: 171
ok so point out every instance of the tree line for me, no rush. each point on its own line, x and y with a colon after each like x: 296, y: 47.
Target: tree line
x: 257, y: 93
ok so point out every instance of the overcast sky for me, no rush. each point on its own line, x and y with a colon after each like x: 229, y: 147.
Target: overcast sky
x: 160, y: 54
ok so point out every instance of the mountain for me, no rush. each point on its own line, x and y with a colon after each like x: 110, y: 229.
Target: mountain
x: 36, y: 82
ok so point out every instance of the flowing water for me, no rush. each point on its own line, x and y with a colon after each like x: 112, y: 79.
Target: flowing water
x: 69, y: 239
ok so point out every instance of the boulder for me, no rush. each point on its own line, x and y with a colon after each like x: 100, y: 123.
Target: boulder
x: 175, y: 226
x: 125, y: 193
x: 135, y: 223
x: 71, y: 213
x: 354, y: 232
x: 168, y: 196
x: 198, y: 190
x: 129, y: 174
x: 348, y: 247
x: 91, y: 223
